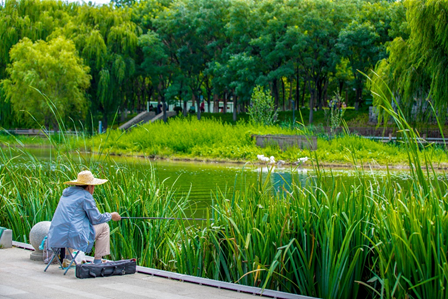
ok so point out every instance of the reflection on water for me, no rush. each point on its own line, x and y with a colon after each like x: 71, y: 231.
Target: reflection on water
x: 203, y: 180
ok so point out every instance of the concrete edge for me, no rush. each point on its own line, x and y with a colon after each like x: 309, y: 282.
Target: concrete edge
x: 6, y: 239
x: 201, y: 281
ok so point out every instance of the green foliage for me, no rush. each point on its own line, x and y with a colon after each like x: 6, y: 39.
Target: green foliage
x: 262, y: 111
x: 188, y: 137
x: 375, y: 238
x: 181, y: 50
x: 213, y: 139
x: 363, y: 41
x: 416, y: 69
x: 53, y: 69
x: 336, y: 113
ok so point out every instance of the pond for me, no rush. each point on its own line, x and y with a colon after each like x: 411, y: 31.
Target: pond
x: 201, y: 180
x: 345, y: 217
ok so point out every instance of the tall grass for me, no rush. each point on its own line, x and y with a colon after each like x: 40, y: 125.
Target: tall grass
x: 325, y: 239
x: 188, y: 137
x: 212, y: 139
x: 329, y: 239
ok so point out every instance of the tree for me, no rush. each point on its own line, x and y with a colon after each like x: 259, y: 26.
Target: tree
x: 271, y: 44
x: 106, y: 39
x: 417, y: 68
x: 191, y: 31
x: 363, y: 40
x: 359, y: 43
x: 156, y: 64
x: 263, y: 110
x: 55, y: 70
x: 321, y: 22
x: 33, y: 19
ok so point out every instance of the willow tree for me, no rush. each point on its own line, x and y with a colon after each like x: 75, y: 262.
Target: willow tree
x: 106, y: 39
x: 417, y: 67
x: 45, y: 80
x: 34, y: 20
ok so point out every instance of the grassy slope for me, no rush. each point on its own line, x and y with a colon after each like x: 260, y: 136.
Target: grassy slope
x: 351, y: 116
x: 216, y: 137
x: 212, y: 139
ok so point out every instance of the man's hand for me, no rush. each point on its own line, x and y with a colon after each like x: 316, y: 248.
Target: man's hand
x: 115, y: 216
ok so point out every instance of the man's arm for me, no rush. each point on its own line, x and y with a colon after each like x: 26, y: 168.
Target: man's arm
x: 92, y: 212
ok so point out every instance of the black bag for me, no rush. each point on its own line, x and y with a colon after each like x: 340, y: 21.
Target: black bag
x: 106, y: 269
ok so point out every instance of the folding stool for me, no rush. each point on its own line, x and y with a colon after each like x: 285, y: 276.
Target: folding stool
x: 58, y: 252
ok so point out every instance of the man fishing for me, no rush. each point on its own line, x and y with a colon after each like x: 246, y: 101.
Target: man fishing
x: 77, y: 223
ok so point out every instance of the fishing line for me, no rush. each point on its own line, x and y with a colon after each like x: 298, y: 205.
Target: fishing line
x: 166, y: 218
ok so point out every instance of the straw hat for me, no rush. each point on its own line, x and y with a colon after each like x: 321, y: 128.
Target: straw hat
x: 86, y: 178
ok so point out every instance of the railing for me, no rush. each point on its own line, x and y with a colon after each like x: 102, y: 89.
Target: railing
x: 421, y: 139
x: 40, y: 132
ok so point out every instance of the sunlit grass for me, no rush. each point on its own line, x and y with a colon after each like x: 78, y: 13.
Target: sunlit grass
x: 212, y: 139
x: 373, y: 238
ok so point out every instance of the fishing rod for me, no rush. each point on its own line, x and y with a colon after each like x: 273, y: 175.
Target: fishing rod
x: 166, y: 218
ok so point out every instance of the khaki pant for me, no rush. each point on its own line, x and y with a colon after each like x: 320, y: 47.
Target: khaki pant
x: 102, y: 239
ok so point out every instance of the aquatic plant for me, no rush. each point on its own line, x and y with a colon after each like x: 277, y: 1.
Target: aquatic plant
x: 374, y: 238
x: 212, y: 139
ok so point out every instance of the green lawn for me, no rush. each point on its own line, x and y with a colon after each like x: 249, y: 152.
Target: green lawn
x: 215, y: 139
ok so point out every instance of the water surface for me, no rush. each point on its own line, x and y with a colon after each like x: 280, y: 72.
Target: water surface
x: 203, y: 180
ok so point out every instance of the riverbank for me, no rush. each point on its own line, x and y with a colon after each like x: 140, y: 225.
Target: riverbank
x: 211, y: 140
x: 309, y: 164
x: 214, y: 141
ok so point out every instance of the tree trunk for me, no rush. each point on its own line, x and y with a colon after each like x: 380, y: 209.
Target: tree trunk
x: 139, y: 93
x: 275, y: 93
x: 198, y: 102
x: 224, y: 108
x: 149, y: 92
x: 358, y: 96
x: 185, y: 108
x: 346, y: 95
x: 208, y: 103
x: 215, y: 103
x: 290, y: 107
x: 318, y: 95
x: 283, y: 94
x: 297, y: 88
x: 165, y: 119
x: 104, y: 122
x: 341, y: 87
x: 303, y: 92
x: 310, y: 120
x: 235, y: 101
x: 144, y: 87
x: 325, y: 92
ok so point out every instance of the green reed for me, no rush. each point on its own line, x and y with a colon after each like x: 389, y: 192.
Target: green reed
x: 374, y: 238
x: 212, y: 139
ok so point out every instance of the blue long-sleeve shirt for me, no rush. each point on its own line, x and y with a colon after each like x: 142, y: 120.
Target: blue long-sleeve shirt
x: 72, y: 224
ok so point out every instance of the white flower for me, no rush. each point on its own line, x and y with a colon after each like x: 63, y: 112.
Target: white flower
x: 263, y: 158
x: 303, y: 160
